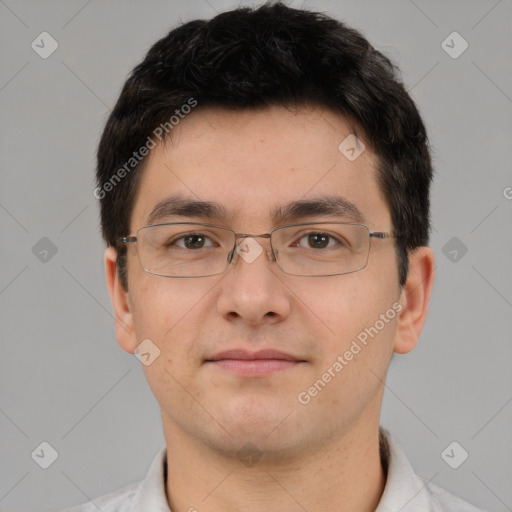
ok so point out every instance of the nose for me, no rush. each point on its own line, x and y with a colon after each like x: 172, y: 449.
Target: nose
x: 252, y: 290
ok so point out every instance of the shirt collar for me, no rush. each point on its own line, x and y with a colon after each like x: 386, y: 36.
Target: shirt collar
x: 152, y: 496
x: 404, y: 490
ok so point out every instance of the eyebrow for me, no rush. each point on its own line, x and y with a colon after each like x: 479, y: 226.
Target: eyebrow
x: 332, y: 206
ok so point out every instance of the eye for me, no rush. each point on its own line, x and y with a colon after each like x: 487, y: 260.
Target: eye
x: 192, y: 241
x: 317, y: 241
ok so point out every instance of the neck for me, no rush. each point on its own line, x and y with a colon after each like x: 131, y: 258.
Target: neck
x: 347, y: 475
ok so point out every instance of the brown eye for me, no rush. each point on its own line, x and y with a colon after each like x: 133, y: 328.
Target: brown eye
x: 318, y: 240
x: 192, y: 241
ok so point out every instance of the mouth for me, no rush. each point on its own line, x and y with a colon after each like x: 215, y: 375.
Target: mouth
x: 254, y: 364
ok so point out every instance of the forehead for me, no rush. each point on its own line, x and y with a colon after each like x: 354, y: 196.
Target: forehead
x: 255, y: 163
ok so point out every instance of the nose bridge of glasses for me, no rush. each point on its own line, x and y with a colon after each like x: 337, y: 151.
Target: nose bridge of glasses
x: 248, y: 235
x: 269, y: 251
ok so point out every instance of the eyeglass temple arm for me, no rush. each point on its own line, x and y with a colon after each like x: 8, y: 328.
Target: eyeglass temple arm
x: 380, y: 234
x: 128, y: 239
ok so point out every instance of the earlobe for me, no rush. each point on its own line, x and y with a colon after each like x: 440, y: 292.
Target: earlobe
x: 415, y: 299
x: 123, y: 315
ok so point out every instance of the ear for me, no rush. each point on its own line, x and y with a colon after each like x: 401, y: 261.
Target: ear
x: 125, y: 331
x: 414, y: 299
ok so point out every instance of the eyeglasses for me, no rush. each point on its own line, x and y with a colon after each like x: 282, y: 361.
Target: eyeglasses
x: 189, y: 249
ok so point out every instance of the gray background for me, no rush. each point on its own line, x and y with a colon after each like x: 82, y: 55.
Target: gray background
x: 64, y: 379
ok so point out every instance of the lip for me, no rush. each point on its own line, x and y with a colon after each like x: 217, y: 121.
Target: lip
x: 260, y: 363
x: 245, y: 355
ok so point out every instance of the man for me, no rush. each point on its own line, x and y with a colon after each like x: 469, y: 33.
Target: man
x: 264, y: 184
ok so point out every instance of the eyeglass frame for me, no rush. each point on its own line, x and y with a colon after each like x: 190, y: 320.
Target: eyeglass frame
x: 132, y: 239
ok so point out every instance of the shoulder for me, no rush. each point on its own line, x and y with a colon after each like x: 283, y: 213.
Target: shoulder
x: 408, y: 492
x: 147, y: 494
x: 121, y: 500
x: 448, y: 502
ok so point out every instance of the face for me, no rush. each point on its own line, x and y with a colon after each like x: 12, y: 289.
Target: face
x: 251, y: 163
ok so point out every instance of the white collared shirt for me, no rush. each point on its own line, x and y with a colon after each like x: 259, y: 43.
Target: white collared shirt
x: 404, y: 490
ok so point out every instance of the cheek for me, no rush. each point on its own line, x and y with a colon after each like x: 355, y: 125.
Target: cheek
x: 158, y: 303
x: 171, y: 312
x: 168, y: 314
x: 354, y: 307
